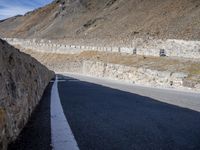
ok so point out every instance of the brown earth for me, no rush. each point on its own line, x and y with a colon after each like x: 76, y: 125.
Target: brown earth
x: 109, y: 20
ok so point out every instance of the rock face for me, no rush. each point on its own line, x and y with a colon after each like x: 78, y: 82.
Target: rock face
x: 23, y: 80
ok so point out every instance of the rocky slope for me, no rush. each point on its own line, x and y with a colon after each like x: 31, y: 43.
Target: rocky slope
x: 23, y: 80
x: 151, y: 71
x: 108, y: 20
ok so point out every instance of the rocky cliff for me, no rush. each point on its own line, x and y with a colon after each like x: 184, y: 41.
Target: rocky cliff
x: 23, y: 80
x: 108, y: 20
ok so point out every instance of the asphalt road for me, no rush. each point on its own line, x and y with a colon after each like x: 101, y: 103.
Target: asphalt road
x: 106, y: 115
x: 104, y: 118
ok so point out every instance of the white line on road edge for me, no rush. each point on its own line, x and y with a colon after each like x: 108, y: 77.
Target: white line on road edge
x: 62, y: 137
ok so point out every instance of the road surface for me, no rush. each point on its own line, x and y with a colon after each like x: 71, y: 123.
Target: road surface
x: 106, y: 115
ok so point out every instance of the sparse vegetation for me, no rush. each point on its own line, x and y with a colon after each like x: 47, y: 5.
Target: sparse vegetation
x: 124, y: 19
x: 192, y: 68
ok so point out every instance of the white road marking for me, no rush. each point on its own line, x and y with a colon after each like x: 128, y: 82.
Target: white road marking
x: 62, y: 137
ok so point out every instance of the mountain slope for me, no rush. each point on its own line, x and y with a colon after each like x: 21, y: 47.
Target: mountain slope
x: 117, y: 19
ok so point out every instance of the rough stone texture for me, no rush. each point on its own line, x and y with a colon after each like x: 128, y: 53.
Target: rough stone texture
x: 76, y: 67
x: 133, y: 74
x: 23, y: 80
x: 128, y: 74
x: 171, y: 48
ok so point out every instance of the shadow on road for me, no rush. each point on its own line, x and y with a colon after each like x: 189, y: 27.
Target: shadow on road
x: 103, y: 118
x: 37, y: 133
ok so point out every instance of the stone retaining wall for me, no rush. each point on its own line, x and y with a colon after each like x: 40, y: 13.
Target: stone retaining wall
x: 22, y: 83
x: 170, y: 47
x: 134, y: 75
x: 127, y: 74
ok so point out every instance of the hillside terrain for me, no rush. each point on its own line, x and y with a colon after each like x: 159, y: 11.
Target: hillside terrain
x: 71, y: 63
x: 108, y: 19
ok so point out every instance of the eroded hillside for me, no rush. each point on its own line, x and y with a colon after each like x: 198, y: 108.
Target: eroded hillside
x: 113, y: 19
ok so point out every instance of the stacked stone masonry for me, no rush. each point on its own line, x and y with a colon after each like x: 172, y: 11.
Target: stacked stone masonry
x: 127, y: 74
x: 133, y: 74
x: 170, y: 47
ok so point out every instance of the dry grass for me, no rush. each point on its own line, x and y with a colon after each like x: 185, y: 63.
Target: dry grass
x: 119, y: 20
x: 190, y: 67
x: 155, y: 63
